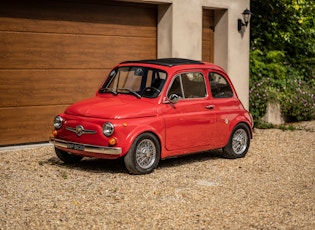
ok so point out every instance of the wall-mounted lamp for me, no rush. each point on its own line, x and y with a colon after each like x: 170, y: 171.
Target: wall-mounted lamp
x: 246, y: 17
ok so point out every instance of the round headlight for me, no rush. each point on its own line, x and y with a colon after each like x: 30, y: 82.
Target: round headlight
x: 108, y: 129
x: 58, y: 121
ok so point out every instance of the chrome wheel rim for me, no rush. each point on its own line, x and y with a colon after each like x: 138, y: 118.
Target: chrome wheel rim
x: 146, y: 153
x: 239, y: 141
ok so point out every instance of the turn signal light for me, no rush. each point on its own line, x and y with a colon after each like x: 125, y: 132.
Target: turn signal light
x: 54, y: 133
x: 112, y: 141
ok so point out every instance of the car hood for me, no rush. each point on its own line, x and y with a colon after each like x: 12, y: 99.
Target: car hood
x: 113, y: 107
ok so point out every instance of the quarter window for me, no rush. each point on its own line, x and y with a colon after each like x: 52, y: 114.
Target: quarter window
x: 176, y: 88
x: 220, y: 87
x: 188, y: 85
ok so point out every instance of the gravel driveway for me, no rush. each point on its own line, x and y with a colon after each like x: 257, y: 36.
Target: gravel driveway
x: 273, y: 187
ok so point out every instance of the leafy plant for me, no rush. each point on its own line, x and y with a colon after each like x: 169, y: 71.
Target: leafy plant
x: 287, y: 26
x: 282, y: 59
x: 298, y: 100
x: 266, y: 82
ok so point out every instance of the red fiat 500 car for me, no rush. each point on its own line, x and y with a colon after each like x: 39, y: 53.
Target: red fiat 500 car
x: 149, y: 110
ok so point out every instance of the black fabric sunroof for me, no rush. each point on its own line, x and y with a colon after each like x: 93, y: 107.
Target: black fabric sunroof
x: 167, y: 61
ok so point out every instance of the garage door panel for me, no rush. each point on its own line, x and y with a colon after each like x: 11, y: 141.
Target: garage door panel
x: 27, y: 124
x: 102, y: 12
x: 208, y: 35
x: 68, y: 27
x: 27, y: 88
x: 207, y: 55
x: 54, y: 53
x: 31, y: 50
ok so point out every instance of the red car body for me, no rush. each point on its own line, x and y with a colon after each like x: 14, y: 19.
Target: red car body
x: 179, y: 124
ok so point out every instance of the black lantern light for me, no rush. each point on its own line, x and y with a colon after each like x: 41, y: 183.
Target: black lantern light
x: 246, y: 18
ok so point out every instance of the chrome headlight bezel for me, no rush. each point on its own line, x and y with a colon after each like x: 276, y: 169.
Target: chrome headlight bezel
x: 58, y: 122
x: 108, y: 129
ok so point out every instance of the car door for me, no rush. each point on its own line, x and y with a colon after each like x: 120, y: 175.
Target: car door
x: 226, y: 105
x: 189, y: 121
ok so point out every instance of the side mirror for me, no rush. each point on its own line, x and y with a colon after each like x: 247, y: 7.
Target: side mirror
x: 173, y: 99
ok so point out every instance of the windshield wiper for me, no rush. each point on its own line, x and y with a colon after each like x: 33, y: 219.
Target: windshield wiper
x: 103, y: 90
x: 133, y: 92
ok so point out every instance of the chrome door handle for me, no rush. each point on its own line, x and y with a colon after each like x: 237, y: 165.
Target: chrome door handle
x: 210, y: 107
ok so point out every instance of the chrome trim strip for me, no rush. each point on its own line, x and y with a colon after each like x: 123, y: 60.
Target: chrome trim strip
x: 87, y: 148
x: 79, y: 130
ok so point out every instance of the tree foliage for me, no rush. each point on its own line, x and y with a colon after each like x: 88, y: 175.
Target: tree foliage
x: 283, y: 51
x: 289, y: 26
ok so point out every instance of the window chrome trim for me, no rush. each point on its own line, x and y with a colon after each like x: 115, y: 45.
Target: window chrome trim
x: 182, y: 87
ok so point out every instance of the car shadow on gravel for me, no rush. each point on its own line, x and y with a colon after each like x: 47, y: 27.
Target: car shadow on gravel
x: 92, y: 165
x: 118, y: 166
x: 190, y: 158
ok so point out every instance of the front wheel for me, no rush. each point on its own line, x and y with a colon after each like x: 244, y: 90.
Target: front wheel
x: 239, y: 141
x: 66, y: 157
x: 144, y: 154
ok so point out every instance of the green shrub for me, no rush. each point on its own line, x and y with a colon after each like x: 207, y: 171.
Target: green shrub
x: 267, y: 76
x: 282, y: 59
x: 298, y: 100
x: 272, y: 80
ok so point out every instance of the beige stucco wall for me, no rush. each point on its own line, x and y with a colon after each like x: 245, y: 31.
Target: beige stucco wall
x: 180, y: 35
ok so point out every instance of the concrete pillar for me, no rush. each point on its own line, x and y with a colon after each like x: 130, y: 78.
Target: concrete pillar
x: 187, y: 26
x: 165, y: 31
x: 221, y: 38
x: 238, y: 52
x: 179, y: 30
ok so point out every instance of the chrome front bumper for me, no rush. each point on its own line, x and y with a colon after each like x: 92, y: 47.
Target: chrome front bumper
x: 85, y: 148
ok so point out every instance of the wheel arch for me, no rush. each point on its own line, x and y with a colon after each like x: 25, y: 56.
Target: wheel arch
x: 241, y: 121
x: 154, y: 134
x: 238, y: 147
x: 145, y: 159
x: 139, y: 131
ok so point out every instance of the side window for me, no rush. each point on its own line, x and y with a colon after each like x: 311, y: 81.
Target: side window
x: 188, y: 85
x: 220, y: 87
x: 193, y: 85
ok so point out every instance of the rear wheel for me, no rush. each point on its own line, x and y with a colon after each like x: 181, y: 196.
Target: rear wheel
x: 67, y: 157
x: 144, y: 154
x: 239, y: 141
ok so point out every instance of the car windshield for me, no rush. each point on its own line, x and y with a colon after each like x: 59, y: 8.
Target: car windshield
x: 138, y: 81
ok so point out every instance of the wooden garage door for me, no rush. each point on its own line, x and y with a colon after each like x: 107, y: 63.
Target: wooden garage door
x: 207, y: 35
x: 53, y: 53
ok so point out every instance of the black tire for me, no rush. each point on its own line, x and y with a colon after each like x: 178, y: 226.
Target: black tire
x: 67, y: 157
x: 239, y: 142
x: 144, y: 154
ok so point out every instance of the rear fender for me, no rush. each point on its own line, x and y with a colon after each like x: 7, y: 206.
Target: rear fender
x: 238, y: 120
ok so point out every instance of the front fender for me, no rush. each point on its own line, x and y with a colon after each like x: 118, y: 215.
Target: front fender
x: 132, y: 128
